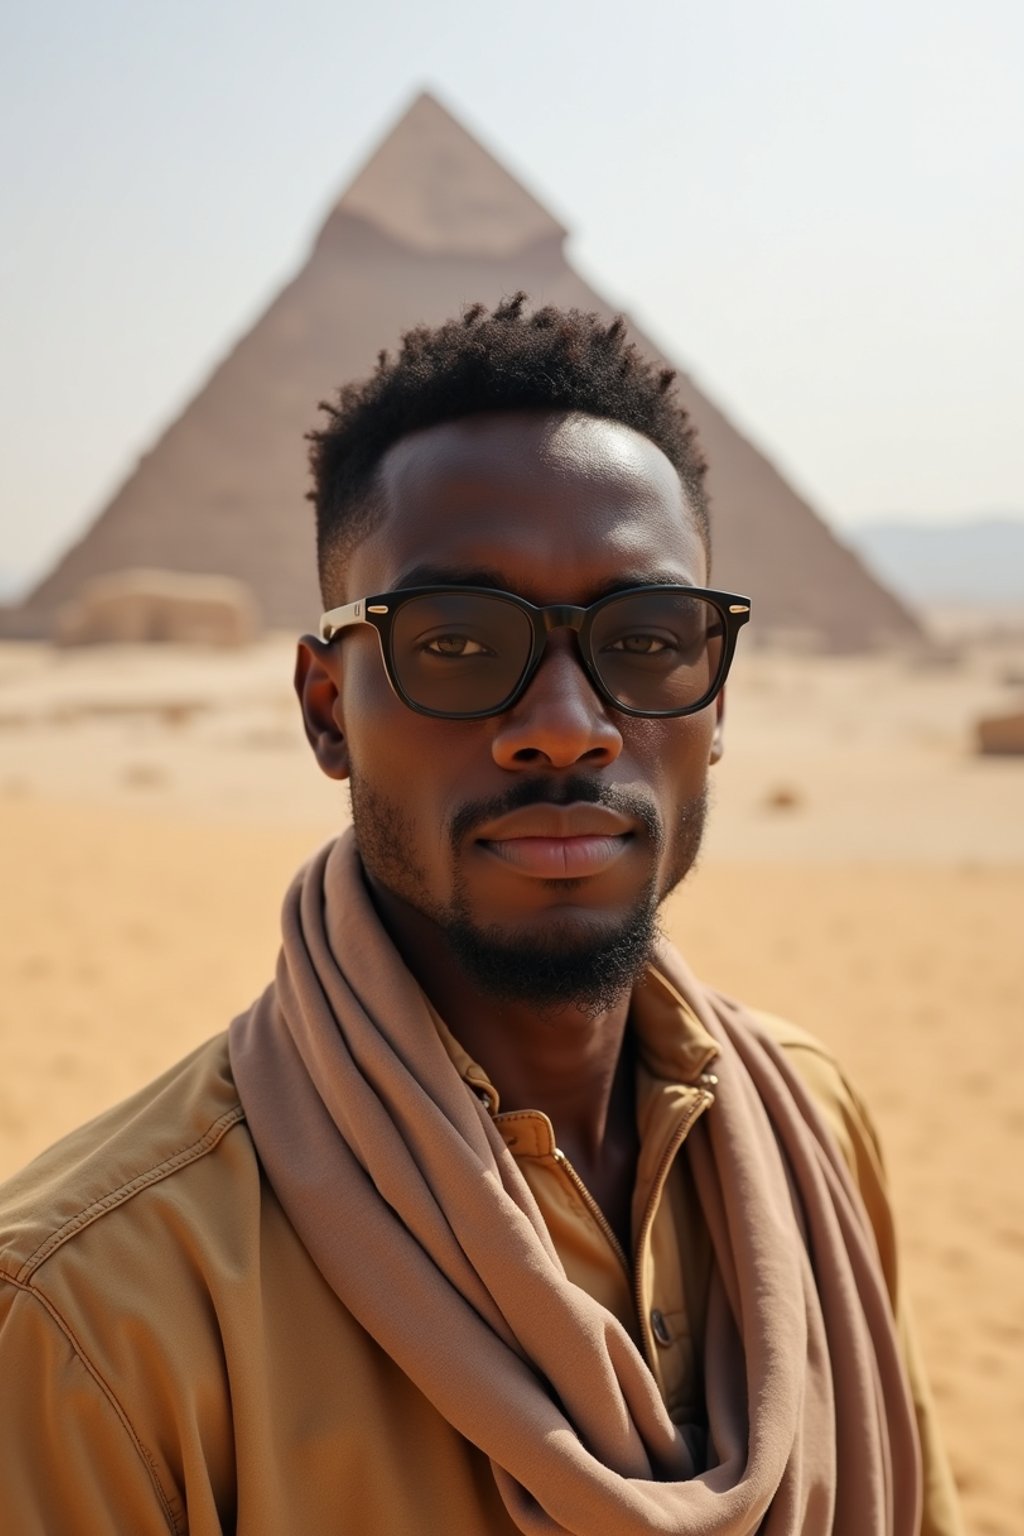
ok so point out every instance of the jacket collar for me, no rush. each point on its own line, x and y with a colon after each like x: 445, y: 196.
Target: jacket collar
x: 673, y: 1045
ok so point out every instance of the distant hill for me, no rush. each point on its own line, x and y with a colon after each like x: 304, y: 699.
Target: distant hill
x: 978, y: 563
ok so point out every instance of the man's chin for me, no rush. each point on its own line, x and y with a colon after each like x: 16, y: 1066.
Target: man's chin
x: 576, y: 961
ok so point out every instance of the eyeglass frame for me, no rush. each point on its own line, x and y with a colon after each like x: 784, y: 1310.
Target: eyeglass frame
x: 379, y: 612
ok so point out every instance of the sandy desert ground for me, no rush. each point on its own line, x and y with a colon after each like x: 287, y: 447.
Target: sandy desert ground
x: 864, y: 874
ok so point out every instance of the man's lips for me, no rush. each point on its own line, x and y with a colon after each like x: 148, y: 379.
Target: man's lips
x: 558, y: 842
x: 559, y: 858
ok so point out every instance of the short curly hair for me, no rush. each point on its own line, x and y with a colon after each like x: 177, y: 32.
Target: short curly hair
x: 508, y: 360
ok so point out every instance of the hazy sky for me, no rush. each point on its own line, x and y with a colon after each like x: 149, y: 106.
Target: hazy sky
x: 818, y: 209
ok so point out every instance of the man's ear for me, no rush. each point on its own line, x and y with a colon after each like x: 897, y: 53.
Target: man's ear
x: 318, y: 685
x: 717, y: 742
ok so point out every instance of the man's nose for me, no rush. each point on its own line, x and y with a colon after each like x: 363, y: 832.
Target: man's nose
x: 560, y: 720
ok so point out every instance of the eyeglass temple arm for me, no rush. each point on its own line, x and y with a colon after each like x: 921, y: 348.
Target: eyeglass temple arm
x: 340, y: 618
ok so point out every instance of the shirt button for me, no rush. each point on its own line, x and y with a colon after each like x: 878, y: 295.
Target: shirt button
x: 659, y: 1328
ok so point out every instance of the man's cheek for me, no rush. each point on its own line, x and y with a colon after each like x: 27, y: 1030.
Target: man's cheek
x: 373, y: 730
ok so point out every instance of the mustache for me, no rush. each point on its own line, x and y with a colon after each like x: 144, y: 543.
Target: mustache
x: 575, y: 790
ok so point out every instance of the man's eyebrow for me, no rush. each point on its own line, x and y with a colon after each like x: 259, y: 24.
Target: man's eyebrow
x: 643, y: 579
x: 451, y: 576
x: 486, y: 576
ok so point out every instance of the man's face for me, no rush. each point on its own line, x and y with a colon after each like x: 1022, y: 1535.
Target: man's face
x: 554, y: 829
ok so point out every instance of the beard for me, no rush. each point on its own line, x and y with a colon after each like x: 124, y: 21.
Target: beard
x: 581, y: 962
x: 565, y: 967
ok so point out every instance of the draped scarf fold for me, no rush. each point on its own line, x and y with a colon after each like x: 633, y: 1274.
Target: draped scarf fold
x: 387, y: 1164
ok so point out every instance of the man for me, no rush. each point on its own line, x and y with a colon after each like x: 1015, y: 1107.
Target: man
x: 487, y: 1216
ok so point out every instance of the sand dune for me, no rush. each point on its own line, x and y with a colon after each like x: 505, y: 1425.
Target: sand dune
x: 865, y: 876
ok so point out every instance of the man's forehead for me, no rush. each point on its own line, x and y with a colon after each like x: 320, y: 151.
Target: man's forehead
x: 534, y: 495
x: 518, y: 446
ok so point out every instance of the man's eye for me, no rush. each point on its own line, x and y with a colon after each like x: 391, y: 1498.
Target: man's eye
x: 640, y: 645
x: 454, y: 645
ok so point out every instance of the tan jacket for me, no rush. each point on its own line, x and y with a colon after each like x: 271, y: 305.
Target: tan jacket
x: 172, y: 1360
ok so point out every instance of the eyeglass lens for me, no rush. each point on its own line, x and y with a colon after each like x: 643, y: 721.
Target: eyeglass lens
x: 465, y: 652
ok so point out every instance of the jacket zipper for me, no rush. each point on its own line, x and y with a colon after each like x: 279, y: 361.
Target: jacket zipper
x: 694, y: 1113
x: 679, y: 1136
x: 592, y: 1206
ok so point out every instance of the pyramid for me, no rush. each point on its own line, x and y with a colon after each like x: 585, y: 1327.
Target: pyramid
x: 432, y: 222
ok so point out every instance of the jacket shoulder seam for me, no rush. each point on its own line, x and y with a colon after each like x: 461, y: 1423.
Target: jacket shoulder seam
x: 172, y: 1515
x: 116, y: 1197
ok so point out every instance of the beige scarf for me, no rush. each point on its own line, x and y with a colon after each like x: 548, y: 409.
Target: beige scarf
x: 375, y: 1146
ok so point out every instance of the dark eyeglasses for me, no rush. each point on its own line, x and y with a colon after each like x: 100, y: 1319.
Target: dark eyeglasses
x: 463, y: 653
